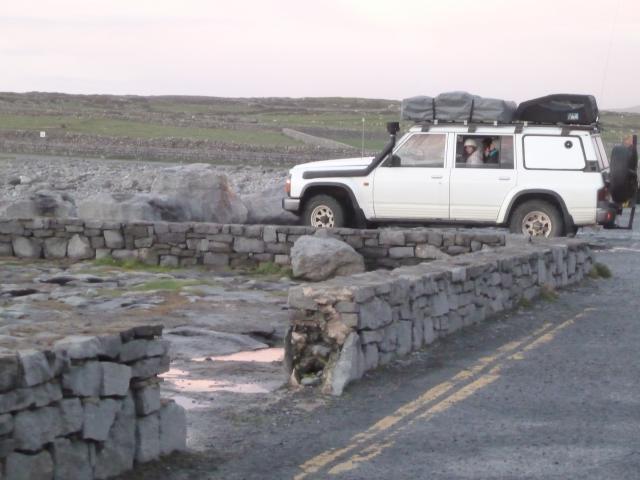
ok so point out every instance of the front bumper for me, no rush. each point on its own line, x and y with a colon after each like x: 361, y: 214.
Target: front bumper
x: 606, y: 213
x: 291, y: 204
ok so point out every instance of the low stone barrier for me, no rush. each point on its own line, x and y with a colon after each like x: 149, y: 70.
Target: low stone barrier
x: 348, y: 325
x: 187, y: 244
x: 87, y: 408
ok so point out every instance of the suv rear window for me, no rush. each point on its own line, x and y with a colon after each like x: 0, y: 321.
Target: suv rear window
x: 484, y: 151
x: 550, y: 152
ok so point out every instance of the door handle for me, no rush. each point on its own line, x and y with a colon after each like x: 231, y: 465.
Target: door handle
x: 504, y: 178
x: 437, y: 177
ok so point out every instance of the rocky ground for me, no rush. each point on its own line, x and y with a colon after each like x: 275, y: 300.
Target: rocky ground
x: 226, y: 330
x: 84, y: 177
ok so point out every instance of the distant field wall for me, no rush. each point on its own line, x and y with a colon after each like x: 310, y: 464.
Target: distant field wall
x: 164, y: 149
x: 315, y: 141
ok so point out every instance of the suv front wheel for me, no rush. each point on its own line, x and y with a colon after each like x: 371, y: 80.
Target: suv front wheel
x: 323, y: 211
x: 537, y: 218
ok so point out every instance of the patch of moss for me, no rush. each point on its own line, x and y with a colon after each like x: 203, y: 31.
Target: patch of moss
x: 525, y: 303
x: 600, y: 270
x: 548, y: 294
x: 130, y: 264
x: 271, y: 268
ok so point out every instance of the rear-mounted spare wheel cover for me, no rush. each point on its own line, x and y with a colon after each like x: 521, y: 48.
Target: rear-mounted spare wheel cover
x: 623, y: 178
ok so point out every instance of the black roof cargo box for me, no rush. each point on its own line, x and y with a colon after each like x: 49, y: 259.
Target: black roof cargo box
x: 559, y: 108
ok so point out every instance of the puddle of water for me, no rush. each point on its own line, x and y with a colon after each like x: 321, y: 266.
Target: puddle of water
x: 265, y: 355
x: 177, y: 378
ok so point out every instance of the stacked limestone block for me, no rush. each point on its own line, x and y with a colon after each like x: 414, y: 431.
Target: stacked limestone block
x: 187, y: 244
x: 348, y: 325
x: 89, y: 408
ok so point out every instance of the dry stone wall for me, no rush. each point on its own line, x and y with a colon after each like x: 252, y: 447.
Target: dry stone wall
x: 88, y: 408
x: 348, y: 325
x: 187, y: 244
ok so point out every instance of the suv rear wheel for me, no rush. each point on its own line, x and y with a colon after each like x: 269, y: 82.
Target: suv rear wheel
x: 323, y: 211
x: 537, y: 218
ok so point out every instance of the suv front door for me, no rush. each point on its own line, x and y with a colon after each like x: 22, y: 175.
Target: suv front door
x: 414, y: 182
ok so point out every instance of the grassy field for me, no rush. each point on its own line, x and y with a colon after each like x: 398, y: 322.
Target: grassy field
x: 252, y: 122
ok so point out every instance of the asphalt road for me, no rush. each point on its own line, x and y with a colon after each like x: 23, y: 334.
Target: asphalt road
x: 547, y: 392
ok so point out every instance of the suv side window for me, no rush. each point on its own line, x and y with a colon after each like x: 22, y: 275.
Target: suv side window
x: 552, y: 152
x: 484, y: 151
x: 425, y: 150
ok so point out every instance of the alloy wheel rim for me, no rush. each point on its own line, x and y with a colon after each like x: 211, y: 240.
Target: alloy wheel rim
x: 322, y: 217
x: 537, y: 224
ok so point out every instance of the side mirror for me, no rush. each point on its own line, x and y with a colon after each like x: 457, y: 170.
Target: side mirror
x: 395, y: 161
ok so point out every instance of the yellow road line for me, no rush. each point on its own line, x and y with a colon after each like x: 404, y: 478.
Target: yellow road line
x: 542, y: 335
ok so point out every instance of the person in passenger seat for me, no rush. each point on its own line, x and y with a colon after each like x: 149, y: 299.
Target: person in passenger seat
x: 491, y: 152
x: 472, y: 154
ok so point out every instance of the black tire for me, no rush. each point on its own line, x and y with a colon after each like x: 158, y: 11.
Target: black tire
x: 323, y: 211
x: 623, y: 176
x: 537, y: 218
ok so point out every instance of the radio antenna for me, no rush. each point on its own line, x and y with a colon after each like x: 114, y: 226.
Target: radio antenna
x: 362, y: 137
x: 606, y: 62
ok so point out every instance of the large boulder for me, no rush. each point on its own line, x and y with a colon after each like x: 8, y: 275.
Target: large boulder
x: 205, y: 194
x: 321, y: 256
x: 189, y: 193
x: 266, y: 207
x: 131, y: 207
x: 44, y: 203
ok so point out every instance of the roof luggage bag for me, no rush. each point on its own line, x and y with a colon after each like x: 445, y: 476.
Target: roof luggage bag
x: 453, y: 107
x: 418, y: 109
x: 492, y: 110
x: 559, y: 108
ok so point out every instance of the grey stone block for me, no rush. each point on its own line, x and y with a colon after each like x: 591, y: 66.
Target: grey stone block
x: 45, y: 394
x: 150, y: 367
x: 26, y: 247
x: 173, y: 428
x: 147, y: 399
x: 83, y: 380
x: 370, y: 336
x: 371, y: 356
x: 79, y: 248
x: 6, y: 424
x: 391, y: 237
x: 401, y: 252
x: 170, y: 261
x: 115, y: 379
x: 55, y: 247
x: 71, y: 460
x: 34, y: 428
x: 99, y: 416
x: 79, y: 347
x: 375, y: 314
x: 349, y: 366
x: 216, y: 259
x: 428, y: 331
x: 71, y: 415
x: 147, y: 438
x: 418, y: 333
x: 389, y: 341
x: 118, y: 452
x: 35, y: 368
x: 248, y: 245
x: 8, y: 371
x: 110, y: 345
x: 20, y: 466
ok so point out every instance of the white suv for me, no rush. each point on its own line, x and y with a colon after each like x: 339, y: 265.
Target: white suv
x: 536, y: 179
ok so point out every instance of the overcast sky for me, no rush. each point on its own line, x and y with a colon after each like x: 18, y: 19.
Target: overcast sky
x: 514, y: 49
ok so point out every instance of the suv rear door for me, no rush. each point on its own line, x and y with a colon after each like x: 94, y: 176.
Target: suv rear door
x: 414, y: 182
x: 479, y: 190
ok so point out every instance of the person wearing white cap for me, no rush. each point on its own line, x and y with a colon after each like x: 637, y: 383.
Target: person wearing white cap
x: 473, y: 155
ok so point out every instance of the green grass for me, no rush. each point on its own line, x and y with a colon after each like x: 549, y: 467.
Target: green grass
x: 133, y: 129
x: 600, y: 270
x: 525, y: 303
x: 548, y: 294
x: 130, y: 264
x: 270, y: 268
